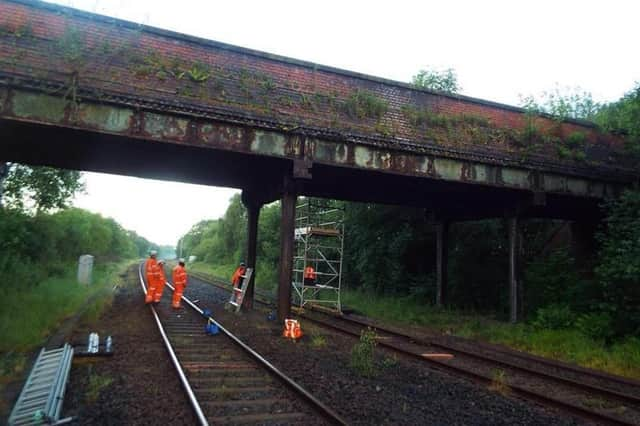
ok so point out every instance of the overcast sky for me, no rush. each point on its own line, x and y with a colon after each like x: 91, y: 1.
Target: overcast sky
x: 499, y: 49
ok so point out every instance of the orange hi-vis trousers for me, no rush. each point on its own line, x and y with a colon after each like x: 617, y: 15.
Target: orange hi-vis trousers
x: 177, y: 295
x: 151, y: 289
x: 158, y: 292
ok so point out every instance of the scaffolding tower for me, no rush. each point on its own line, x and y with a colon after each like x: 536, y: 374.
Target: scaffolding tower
x: 319, y: 238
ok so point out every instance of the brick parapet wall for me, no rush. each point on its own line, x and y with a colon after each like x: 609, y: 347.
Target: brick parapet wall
x: 115, y: 57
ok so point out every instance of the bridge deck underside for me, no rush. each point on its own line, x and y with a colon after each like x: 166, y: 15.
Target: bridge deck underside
x: 92, y: 151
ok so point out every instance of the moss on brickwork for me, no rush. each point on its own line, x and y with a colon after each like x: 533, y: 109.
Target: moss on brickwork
x: 99, y: 57
x: 364, y: 104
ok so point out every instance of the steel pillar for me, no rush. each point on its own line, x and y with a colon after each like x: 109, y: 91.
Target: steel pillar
x: 253, y: 214
x: 287, y: 228
x: 515, y: 282
x: 442, y: 258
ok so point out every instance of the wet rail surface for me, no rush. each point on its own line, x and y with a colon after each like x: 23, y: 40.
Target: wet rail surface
x: 226, y: 384
x: 588, y: 394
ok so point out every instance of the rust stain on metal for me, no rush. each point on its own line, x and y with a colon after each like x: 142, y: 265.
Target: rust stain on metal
x: 382, y: 160
x: 494, y: 175
x: 431, y: 167
x: 106, y: 118
x: 193, y: 132
x: 4, y: 96
x: 535, y: 180
x: 220, y: 136
x: 136, y: 123
x: 467, y: 172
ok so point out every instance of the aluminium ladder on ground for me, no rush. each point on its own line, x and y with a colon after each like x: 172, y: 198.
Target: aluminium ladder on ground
x: 237, y: 295
x: 40, y: 401
x: 319, y: 243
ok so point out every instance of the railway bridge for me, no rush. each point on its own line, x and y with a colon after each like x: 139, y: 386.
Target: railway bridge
x: 88, y: 92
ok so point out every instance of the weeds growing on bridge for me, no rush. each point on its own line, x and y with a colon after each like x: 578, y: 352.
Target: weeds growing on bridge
x: 364, y: 104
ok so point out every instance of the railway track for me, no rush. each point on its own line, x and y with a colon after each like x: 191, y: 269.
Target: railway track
x: 591, y: 395
x: 225, y: 380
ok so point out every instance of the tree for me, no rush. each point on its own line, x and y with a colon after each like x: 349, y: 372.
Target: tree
x: 619, y: 263
x: 563, y: 103
x: 39, y: 188
x: 623, y: 116
x: 440, y: 81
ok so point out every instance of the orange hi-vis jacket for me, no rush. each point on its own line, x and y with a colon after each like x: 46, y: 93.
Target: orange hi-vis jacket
x: 152, y: 271
x: 179, y: 276
x: 309, y: 273
x: 162, y: 278
x: 235, y: 278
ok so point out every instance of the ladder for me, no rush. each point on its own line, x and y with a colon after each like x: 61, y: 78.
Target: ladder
x: 237, y: 295
x: 41, y: 398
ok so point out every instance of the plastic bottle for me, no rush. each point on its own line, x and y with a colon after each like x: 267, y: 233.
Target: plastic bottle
x: 107, y: 344
x: 94, y: 343
x: 90, y: 343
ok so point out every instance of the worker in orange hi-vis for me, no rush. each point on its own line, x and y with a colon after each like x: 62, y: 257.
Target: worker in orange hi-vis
x: 179, y: 282
x: 236, y: 278
x: 151, y: 271
x: 310, y: 276
x: 162, y: 279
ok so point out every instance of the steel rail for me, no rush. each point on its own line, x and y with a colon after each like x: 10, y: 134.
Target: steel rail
x: 525, y: 393
x: 524, y: 357
x: 632, y: 399
x: 174, y: 359
x: 328, y: 412
x: 517, y: 390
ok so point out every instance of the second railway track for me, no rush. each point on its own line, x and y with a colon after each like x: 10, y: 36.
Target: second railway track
x: 588, y: 394
x: 226, y: 381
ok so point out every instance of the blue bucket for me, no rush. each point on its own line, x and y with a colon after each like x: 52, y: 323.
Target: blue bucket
x: 206, y: 313
x: 211, y: 328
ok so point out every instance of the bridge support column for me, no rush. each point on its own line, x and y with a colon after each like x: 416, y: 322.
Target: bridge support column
x: 287, y: 228
x: 515, y: 282
x: 253, y: 214
x: 442, y: 259
x: 4, y: 170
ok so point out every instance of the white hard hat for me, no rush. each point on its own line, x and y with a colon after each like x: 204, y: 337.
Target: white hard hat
x: 161, y: 261
x: 181, y: 260
x: 153, y: 253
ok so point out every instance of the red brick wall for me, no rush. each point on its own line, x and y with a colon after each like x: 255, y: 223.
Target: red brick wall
x: 113, y: 60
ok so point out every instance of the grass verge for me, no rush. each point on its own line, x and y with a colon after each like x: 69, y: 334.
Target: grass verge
x: 30, y: 313
x: 621, y: 358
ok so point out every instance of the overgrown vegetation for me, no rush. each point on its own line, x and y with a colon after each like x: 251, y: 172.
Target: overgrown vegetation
x: 38, y: 260
x: 38, y: 188
x: 97, y: 384
x: 389, y: 268
x: 362, y: 354
x: 618, y: 269
x: 220, y: 244
x: 499, y: 382
x: 623, y: 117
x: 439, y: 80
x: 364, y: 104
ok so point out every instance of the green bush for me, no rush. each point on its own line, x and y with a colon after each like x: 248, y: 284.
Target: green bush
x: 362, y: 354
x: 618, y: 269
x: 553, y: 317
x: 595, y: 325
